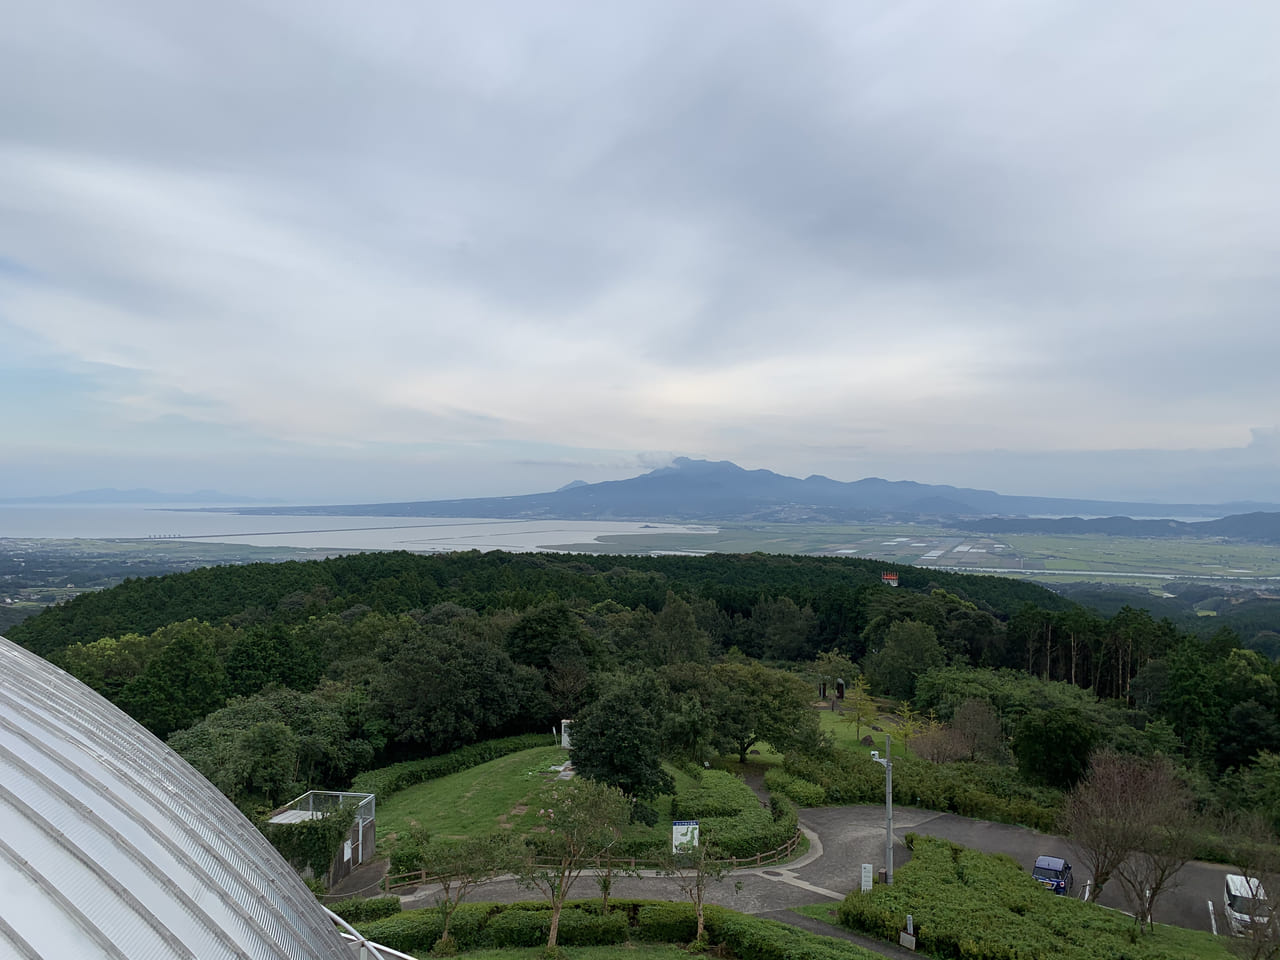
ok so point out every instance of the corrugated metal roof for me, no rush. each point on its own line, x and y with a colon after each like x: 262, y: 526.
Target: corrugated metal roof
x: 111, y: 845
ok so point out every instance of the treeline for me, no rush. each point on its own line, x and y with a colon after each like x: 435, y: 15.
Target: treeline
x: 272, y: 678
x: 291, y: 592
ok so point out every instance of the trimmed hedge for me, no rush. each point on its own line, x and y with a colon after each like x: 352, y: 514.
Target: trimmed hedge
x: 361, y: 910
x: 527, y: 924
x: 718, y: 794
x: 385, y: 781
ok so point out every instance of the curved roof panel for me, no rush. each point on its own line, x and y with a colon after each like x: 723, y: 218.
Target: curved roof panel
x: 111, y: 845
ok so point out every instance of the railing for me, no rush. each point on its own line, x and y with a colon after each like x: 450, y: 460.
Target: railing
x: 776, y: 855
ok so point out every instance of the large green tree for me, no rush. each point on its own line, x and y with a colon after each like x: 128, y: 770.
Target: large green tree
x: 762, y: 704
x: 617, y: 739
x: 910, y: 648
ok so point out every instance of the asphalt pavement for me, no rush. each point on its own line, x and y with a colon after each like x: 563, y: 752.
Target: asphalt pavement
x: 841, y: 839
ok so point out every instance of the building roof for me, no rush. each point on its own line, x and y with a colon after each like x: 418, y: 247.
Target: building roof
x: 113, y: 846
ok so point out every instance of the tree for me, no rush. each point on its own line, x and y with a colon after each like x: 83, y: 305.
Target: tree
x: 458, y: 866
x: 832, y: 666
x: 583, y: 819
x: 1053, y: 746
x: 977, y: 730
x: 1131, y: 819
x: 617, y: 739
x: 764, y: 704
x: 859, y: 708
x: 180, y: 684
x: 1161, y: 804
x: 692, y: 867
x: 910, y: 648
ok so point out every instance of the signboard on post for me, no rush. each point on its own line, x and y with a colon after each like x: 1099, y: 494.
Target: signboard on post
x: 684, y: 834
x: 867, y: 878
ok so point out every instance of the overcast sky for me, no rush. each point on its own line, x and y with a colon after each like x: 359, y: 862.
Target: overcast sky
x: 363, y: 251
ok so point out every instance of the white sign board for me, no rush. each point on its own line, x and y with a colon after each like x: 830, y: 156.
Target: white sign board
x: 866, y: 878
x: 684, y: 834
x: 346, y: 851
x: 564, y: 734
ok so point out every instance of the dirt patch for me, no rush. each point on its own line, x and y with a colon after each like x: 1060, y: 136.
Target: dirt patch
x: 519, y: 810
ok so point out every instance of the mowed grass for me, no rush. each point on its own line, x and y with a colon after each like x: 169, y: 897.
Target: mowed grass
x: 498, y: 796
x: 501, y: 796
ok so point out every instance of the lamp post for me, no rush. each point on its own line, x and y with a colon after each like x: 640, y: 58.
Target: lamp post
x: 887, y: 763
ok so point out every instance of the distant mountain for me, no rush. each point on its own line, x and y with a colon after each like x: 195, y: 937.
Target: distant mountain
x: 110, y: 495
x: 711, y: 491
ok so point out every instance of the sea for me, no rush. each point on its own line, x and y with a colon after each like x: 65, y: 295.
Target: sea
x: 335, y: 533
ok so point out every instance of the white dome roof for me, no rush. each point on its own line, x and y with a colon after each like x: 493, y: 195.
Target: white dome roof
x: 111, y: 845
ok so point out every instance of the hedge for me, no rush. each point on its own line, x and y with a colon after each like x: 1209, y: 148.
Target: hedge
x: 385, y: 781
x: 801, y: 791
x: 361, y: 910
x: 477, y: 925
x: 718, y: 794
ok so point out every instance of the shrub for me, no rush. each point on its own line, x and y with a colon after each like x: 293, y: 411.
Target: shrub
x: 719, y: 794
x: 666, y: 923
x: 360, y: 910
x: 578, y: 928
x: 581, y: 924
x: 969, y: 904
x: 803, y: 792
x: 753, y: 938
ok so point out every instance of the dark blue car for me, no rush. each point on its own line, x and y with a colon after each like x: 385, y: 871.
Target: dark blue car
x: 1054, y: 873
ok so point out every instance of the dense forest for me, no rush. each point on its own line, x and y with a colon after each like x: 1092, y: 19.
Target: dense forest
x: 275, y: 677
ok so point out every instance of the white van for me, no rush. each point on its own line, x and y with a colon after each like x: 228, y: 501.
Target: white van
x: 1245, y: 903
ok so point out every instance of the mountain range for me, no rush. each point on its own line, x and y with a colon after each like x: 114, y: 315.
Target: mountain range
x: 720, y: 491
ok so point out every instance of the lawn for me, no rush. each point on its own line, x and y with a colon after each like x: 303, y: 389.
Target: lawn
x: 504, y: 795
x: 500, y: 795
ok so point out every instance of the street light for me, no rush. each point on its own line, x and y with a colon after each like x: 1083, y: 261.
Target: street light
x: 887, y: 763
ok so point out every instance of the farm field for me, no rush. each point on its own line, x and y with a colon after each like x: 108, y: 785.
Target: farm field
x: 1046, y: 558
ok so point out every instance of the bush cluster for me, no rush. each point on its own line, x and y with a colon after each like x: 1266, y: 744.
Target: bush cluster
x: 361, y: 910
x: 980, y: 790
x: 385, y: 781
x: 804, y: 793
x: 968, y: 904
x: 481, y: 925
x: 718, y: 793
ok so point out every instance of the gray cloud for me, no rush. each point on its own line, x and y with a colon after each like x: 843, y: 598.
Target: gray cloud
x: 863, y: 237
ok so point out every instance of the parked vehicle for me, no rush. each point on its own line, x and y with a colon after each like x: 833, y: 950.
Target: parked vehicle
x: 1245, y: 903
x: 1054, y: 873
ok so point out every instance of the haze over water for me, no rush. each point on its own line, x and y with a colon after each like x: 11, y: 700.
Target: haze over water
x: 346, y: 533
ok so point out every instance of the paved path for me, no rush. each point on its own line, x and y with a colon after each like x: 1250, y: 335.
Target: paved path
x: 841, y: 839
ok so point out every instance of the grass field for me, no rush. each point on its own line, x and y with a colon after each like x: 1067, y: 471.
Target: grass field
x: 500, y: 795
x: 503, y: 795
x: 1049, y: 558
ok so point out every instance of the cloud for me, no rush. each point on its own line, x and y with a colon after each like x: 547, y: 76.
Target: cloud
x: 901, y: 234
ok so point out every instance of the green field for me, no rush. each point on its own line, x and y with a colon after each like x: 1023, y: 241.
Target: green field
x: 497, y: 796
x: 500, y: 796
x: 1048, y: 558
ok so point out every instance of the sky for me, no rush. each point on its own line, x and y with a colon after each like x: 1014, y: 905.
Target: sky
x: 340, y: 252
